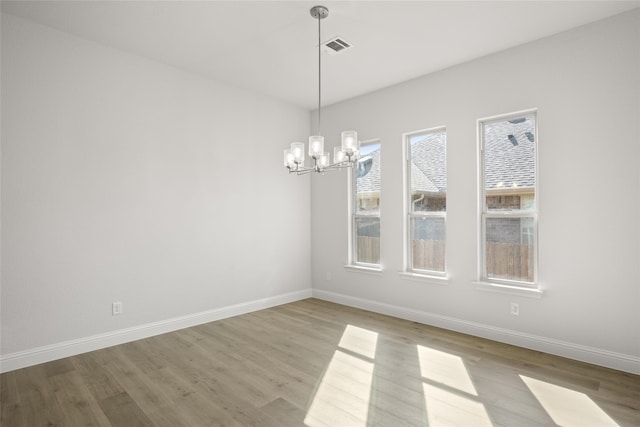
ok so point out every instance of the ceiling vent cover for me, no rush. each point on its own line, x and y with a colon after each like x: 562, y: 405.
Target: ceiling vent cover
x: 336, y: 45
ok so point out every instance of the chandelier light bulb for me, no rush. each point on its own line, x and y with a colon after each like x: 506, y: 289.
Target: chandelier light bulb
x: 324, y: 160
x: 289, y: 159
x: 297, y: 150
x: 350, y: 142
x: 316, y: 146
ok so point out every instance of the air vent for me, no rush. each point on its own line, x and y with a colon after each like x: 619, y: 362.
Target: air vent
x: 336, y: 45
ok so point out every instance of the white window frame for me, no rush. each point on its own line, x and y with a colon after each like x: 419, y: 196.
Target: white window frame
x: 517, y: 287
x: 352, y: 262
x: 409, y: 214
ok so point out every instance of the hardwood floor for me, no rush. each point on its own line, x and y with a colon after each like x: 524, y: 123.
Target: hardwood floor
x: 317, y: 363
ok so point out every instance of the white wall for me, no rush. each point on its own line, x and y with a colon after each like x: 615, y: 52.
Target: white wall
x: 586, y: 85
x: 127, y: 180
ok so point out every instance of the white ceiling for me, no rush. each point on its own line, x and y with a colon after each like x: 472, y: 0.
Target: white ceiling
x: 270, y: 46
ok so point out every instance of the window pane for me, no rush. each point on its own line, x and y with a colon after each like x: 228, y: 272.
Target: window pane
x: 428, y: 174
x: 367, y: 171
x: 509, y: 248
x: 509, y: 163
x: 367, y: 243
x: 427, y: 243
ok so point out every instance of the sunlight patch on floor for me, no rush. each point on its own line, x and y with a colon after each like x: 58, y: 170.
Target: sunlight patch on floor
x: 445, y: 408
x: 445, y: 368
x: 450, y: 396
x: 342, y: 398
x: 568, y: 407
x: 361, y: 341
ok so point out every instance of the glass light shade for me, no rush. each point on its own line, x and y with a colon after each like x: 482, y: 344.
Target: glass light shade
x: 316, y: 146
x: 288, y: 157
x: 324, y: 160
x: 297, y: 150
x: 338, y: 155
x: 350, y: 143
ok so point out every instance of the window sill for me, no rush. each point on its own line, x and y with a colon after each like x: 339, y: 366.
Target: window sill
x: 425, y: 278
x: 376, y: 271
x: 509, y: 290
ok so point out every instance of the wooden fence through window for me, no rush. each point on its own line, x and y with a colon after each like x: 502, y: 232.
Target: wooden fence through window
x: 368, y: 249
x: 511, y: 261
x: 428, y: 254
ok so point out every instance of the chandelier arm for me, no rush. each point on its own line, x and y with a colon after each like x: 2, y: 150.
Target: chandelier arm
x: 301, y: 171
x: 340, y: 165
x: 305, y: 171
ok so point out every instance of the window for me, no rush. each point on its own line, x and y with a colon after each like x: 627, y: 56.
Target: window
x: 509, y: 213
x: 365, y: 207
x: 426, y: 201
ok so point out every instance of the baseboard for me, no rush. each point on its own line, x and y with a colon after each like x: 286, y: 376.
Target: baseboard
x: 609, y: 359
x: 23, y: 359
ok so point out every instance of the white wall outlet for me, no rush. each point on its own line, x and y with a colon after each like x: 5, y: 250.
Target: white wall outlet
x: 328, y: 275
x: 116, y: 308
x: 515, y: 309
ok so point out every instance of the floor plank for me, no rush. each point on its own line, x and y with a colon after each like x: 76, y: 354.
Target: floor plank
x: 78, y: 405
x: 37, y: 398
x: 11, y: 410
x: 122, y: 410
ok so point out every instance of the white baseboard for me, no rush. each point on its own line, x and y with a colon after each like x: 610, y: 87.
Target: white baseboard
x: 22, y: 359
x: 609, y: 359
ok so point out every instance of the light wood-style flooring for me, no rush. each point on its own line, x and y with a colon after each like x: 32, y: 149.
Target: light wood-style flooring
x: 317, y: 363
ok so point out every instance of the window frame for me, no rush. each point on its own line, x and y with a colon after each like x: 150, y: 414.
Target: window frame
x: 409, y: 214
x: 485, y: 213
x: 353, y: 216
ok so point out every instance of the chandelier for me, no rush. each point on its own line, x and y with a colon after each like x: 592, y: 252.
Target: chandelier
x: 344, y: 156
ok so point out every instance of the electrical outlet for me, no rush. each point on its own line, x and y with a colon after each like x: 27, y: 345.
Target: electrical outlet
x: 328, y: 275
x: 515, y: 309
x: 116, y: 308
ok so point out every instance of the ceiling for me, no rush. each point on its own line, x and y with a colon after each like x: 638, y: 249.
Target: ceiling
x: 271, y: 46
